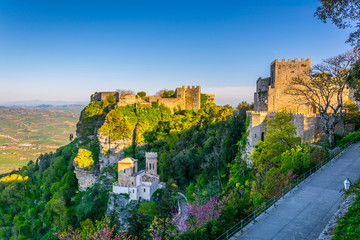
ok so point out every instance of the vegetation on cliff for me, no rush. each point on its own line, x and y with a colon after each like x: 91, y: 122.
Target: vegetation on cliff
x: 198, y: 154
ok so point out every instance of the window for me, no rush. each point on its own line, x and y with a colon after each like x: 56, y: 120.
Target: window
x: 133, y: 191
x: 124, y: 170
x: 144, y: 190
x: 262, y: 136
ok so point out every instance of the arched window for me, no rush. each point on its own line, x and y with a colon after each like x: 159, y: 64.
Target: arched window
x: 124, y: 170
x: 133, y: 191
x: 144, y: 190
x: 262, y: 136
x: 153, y: 165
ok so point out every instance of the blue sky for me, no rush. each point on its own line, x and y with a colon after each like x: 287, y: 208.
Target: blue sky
x: 66, y: 50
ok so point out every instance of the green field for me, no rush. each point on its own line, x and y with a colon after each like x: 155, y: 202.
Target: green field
x: 25, y: 133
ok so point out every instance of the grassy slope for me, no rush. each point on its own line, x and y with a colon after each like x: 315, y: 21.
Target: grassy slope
x: 26, y: 133
x: 349, y: 225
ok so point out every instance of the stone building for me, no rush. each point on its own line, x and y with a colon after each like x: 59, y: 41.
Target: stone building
x: 138, y: 184
x: 186, y: 98
x: 271, y: 97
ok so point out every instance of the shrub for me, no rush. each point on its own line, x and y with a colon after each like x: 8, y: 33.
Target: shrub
x: 13, y: 177
x: 141, y: 94
x: 348, y: 138
x: 111, y: 99
x: 84, y: 159
x: 93, y: 109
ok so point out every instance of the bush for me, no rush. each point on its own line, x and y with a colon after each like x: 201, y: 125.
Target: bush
x: 111, y: 99
x: 141, y: 94
x: 348, y: 138
x: 13, y: 177
x: 84, y: 159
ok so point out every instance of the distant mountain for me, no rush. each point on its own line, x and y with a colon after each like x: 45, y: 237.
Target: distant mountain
x: 32, y: 103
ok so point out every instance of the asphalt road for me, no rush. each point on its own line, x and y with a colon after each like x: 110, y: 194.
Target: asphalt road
x: 304, y: 212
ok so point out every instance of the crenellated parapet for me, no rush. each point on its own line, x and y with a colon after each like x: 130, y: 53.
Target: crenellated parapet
x: 296, y: 60
x: 151, y: 155
x: 187, y: 98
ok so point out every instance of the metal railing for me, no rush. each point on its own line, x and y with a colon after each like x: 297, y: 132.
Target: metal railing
x: 257, y: 212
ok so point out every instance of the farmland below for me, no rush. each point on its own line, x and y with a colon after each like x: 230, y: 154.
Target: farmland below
x: 25, y: 133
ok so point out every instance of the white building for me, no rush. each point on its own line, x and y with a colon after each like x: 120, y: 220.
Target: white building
x: 138, y: 184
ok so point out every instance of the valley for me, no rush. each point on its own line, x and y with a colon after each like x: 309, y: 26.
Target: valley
x: 25, y: 133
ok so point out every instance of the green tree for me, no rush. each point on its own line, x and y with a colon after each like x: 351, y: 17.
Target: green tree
x: 167, y: 201
x: 111, y: 99
x: 139, y: 223
x: 166, y: 93
x: 326, y: 88
x: 344, y: 14
x: 242, y: 108
x: 351, y: 114
x: 354, y: 80
x: 280, y: 137
x: 141, y: 94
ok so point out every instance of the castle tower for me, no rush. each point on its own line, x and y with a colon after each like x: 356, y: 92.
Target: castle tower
x: 151, y: 162
x: 271, y: 93
x: 281, y: 76
x: 193, y: 98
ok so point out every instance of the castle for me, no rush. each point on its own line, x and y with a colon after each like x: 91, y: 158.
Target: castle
x: 138, y: 184
x: 185, y: 98
x: 271, y: 97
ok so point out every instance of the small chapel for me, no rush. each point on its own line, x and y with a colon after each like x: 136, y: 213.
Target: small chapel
x: 138, y: 184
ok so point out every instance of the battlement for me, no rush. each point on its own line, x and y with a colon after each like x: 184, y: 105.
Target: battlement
x: 151, y: 155
x: 296, y: 60
x: 256, y: 112
x: 187, y: 98
x: 193, y: 87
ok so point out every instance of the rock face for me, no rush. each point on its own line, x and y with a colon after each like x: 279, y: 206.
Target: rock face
x: 116, y: 151
x: 118, y: 205
x: 86, y: 179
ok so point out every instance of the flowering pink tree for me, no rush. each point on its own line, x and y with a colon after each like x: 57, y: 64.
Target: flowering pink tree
x: 198, y: 215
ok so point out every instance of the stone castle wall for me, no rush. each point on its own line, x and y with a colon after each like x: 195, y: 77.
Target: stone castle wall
x: 271, y: 96
x: 186, y: 98
x: 271, y: 93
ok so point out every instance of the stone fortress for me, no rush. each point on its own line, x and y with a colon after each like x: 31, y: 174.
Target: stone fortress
x: 138, y: 184
x: 271, y: 97
x: 186, y: 98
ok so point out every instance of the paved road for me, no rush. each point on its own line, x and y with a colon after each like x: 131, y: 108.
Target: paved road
x: 183, y: 210
x: 304, y: 212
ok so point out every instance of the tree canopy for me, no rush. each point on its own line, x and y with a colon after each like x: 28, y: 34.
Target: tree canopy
x: 326, y: 88
x: 344, y: 14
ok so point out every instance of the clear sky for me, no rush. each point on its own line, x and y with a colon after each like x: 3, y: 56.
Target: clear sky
x: 66, y: 50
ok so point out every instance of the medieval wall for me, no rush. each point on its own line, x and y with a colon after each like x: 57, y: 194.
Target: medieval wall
x: 99, y: 96
x: 261, y: 94
x: 308, y: 127
x: 187, y: 98
x: 210, y: 98
x: 271, y: 93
